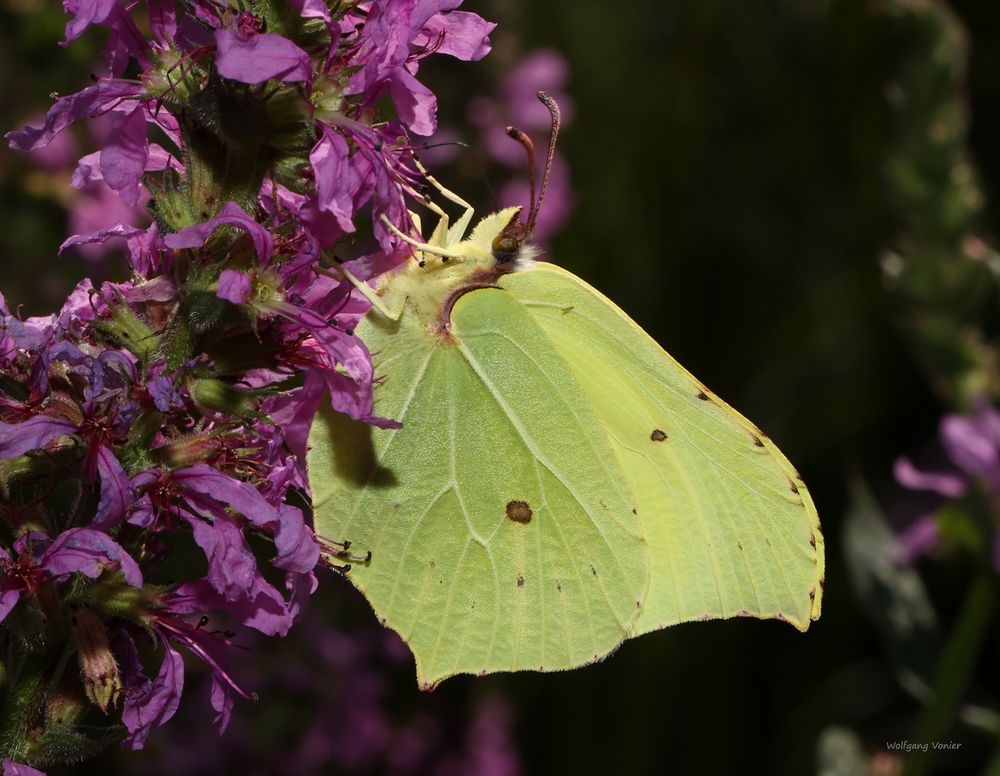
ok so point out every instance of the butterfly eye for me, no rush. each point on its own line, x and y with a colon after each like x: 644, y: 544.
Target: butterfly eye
x: 505, y: 246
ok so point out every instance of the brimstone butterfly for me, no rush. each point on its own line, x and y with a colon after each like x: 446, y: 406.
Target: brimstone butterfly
x: 560, y: 483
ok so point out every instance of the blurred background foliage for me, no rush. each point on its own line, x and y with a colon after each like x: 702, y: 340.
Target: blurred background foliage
x: 798, y: 199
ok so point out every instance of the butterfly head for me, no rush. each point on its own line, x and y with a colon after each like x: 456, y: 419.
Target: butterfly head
x: 510, y: 247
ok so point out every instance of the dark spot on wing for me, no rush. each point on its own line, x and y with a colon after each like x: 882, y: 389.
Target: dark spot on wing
x: 657, y: 435
x: 433, y: 564
x: 567, y: 309
x: 520, y: 581
x: 702, y: 395
x: 634, y: 512
x: 558, y: 586
x: 740, y: 545
x: 756, y: 440
x: 792, y: 487
x: 421, y: 263
x: 519, y: 512
x: 593, y: 571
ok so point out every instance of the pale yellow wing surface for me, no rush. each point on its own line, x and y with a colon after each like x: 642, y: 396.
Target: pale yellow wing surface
x: 730, y: 525
x: 501, y: 526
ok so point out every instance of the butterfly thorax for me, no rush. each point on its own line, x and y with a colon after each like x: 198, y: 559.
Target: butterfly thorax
x: 429, y: 284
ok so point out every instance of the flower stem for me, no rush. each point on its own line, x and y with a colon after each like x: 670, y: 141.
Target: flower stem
x: 22, y: 702
x: 954, y: 671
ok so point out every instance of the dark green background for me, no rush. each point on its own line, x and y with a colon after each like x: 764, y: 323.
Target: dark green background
x: 730, y: 166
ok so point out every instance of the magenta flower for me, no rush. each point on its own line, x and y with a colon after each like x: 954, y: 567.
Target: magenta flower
x: 397, y: 35
x: 170, y: 412
x: 11, y: 768
x: 18, y: 438
x: 971, y: 445
x: 77, y: 551
x: 258, y: 58
x: 231, y: 214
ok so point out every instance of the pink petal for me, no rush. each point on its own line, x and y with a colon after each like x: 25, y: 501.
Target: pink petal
x: 231, y: 214
x: 260, y: 58
x: 907, y: 475
x: 123, y: 158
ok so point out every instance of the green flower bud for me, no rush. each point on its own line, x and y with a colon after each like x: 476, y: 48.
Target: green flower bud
x: 101, y: 678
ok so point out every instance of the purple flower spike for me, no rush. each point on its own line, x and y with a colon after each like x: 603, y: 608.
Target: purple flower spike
x: 230, y: 215
x: 19, y: 438
x: 89, y: 552
x: 259, y: 58
x: 189, y: 419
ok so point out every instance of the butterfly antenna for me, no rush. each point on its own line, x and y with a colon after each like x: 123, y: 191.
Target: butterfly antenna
x: 529, y: 149
x: 428, y: 146
x: 553, y: 107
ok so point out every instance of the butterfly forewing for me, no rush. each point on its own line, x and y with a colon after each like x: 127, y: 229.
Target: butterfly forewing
x: 730, y: 525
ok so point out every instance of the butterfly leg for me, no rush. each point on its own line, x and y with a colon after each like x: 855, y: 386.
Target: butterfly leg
x: 437, y: 250
x: 392, y: 312
x: 456, y: 232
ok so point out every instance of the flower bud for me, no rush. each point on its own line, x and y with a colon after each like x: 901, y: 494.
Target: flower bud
x: 114, y: 597
x: 189, y: 450
x: 101, y: 678
x: 64, y: 708
x: 220, y: 396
